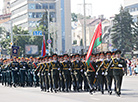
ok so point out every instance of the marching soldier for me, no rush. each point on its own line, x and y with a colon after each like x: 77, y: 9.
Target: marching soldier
x: 1, y: 63
x: 72, y: 74
x: 4, y: 81
x: 46, y: 74
x: 29, y: 72
x: 109, y: 76
x: 49, y: 73
x: 77, y: 66
x: 8, y: 75
x: 100, y: 72
x: 61, y: 79
x: 66, y: 68
x: 41, y: 75
x: 23, y: 70
x: 84, y: 78
x: 35, y: 76
x: 119, y: 68
x: 53, y: 67
x: 90, y: 71
x: 15, y: 70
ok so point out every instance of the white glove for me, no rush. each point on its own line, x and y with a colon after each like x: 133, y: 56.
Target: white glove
x: 16, y: 68
x: 48, y: 73
x: 85, y: 73
x: 96, y: 73
x: 106, y: 73
x: 60, y: 74
x: 120, y: 65
x: 38, y: 74
x: 24, y: 67
x: 69, y: 68
x: 58, y: 68
x: 81, y: 70
x: 0, y: 74
x: 102, y: 73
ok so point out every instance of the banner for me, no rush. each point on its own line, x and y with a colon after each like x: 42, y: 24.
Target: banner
x: 15, y: 51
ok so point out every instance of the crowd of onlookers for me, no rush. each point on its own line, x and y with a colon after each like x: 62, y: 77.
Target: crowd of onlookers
x: 132, y: 66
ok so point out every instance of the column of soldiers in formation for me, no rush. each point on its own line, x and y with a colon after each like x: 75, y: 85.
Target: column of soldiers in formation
x: 61, y: 73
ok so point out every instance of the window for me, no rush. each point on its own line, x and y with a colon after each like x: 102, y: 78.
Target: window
x: 53, y: 16
x: 32, y: 23
x: 45, y: 6
x: 30, y: 15
x: 34, y: 15
x: 38, y: 6
x: 39, y: 15
x: 31, y: 6
x: 52, y: 6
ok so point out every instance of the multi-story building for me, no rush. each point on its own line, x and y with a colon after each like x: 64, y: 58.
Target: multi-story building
x: 6, y: 7
x: 132, y: 6
x: 27, y: 13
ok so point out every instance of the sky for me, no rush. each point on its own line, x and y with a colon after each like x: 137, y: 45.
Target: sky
x: 106, y: 7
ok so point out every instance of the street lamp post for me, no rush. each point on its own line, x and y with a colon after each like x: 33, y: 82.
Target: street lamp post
x: 84, y: 26
x: 49, y: 45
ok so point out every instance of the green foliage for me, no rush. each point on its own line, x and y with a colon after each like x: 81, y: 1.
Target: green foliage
x: 74, y: 42
x: 74, y: 17
x: 122, y: 36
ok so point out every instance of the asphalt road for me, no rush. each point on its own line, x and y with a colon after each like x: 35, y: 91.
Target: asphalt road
x: 129, y: 94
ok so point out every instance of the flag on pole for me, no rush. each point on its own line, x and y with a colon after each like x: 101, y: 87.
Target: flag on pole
x: 43, y: 52
x: 96, y: 41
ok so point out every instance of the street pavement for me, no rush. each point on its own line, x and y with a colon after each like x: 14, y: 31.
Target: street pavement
x: 129, y: 94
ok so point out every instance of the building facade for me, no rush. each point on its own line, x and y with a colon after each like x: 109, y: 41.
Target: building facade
x: 6, y: 7
x: 132, y: 6
x: 27, y: 13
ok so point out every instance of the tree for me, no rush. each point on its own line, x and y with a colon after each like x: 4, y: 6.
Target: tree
x: 43, y: 26
x: 74, y: 17
x: 21, y: 41
x: 122, y: 36
x: 135, y: 32
x: 4, y: 41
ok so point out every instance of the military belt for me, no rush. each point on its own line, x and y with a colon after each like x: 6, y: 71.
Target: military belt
x: 117, y: 68
x: 46, y: 69
x: 77, y: 68
x: 54, y: 68
x: 112, y: 68
x: 65, y: 68
x: 102, y: 69
x: 90, y: 71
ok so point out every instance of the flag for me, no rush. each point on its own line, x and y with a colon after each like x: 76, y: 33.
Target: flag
x: 43, y: 52
x: 96, y: 41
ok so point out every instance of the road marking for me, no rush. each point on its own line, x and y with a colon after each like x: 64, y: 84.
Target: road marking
x: 97, y: 99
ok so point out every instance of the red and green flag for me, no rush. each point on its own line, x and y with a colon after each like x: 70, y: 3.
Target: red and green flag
x: 96, y: 41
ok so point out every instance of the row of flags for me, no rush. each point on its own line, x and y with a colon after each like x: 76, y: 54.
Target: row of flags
x: 96, y: 41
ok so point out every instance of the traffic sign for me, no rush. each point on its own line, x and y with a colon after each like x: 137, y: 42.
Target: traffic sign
x: 49, y: 41
x: 37, y: 33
